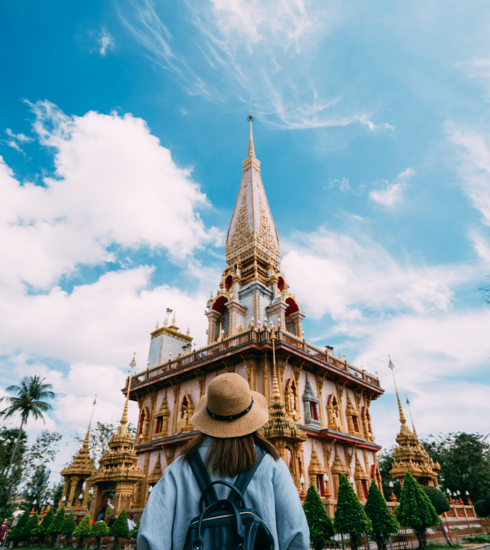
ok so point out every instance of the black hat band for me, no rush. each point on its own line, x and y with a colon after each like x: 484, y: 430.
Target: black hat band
x: 231, y: 417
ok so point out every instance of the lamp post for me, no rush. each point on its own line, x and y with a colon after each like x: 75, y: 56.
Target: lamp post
x: 325, y: 482
x: 468, y: 498
x: 393, y: 497
x: 450, y: 499
x: 302, y: 482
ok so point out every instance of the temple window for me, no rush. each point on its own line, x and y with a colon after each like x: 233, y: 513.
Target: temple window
x: 355, y: 421
x: 320, y: 485
x: 228, y: 282
x: 364, y: 488
x: 311, y: 402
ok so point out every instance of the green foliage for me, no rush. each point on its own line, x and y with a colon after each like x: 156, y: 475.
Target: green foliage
x: 319, y: 523
x: 84, y: 527
x: 350, y: 516
x: 42, y: 530
x: 17, y: 533
x: 416, y: 510
x: 28, y: 400
x: 383, y: 522
x: 99, y: 530
x: 9, y: 483
x: 120, y: 526
x: 480, y: 539
x: 69, y: 525
x: 56, y: 527
x: 438, y: 498
x: 135, y: 531
x: 481, y: 509
x: 465, y: 462
x: 31, y: 526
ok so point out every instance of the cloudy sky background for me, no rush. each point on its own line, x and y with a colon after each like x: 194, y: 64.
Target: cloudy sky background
x: 122, y: 131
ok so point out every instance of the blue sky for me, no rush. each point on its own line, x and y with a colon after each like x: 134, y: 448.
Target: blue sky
x: 122, y: 131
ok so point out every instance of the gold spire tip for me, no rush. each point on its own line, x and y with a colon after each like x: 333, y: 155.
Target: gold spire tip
x: 251, y: 150
x: 402, y: 416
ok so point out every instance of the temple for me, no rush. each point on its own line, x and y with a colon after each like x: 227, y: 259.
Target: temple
x: 318, y: 402
x: 410, y: 455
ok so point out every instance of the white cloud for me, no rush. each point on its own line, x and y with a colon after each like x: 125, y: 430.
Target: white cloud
x: 392, y: 193
x: 261, y: 53
x: 474, y: 167
x: 106, y: 42
x: 342, y: 184
x: 114, y: 185
x: 16, y: 140
x: 358, y: 275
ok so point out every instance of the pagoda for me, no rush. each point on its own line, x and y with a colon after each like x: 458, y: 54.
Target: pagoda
x: 118, y: 471
x: 318, y: 403
x: 410, y: 455
x: 75, y: 475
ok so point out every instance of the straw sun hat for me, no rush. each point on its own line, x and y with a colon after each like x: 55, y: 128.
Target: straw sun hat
x: 230, y: 409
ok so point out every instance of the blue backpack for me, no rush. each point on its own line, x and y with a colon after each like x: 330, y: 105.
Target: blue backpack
x: 226, y: 524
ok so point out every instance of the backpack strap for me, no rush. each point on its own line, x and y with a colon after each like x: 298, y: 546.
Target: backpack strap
x: 244, y: 478
x: 203, y: 480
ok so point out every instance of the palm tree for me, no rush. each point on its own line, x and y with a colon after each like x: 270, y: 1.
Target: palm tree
x: 28, y: 401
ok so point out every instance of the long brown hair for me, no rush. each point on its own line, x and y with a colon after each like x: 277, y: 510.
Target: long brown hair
x: 230, y: 456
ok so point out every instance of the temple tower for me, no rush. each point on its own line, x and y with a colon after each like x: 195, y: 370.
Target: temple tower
x: 76, y: 473
x: 410, y: 455
x: 252, y: 291
x: 118, y: 468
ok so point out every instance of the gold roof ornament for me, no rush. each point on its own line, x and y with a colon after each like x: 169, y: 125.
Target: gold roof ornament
x: 279, y: 424
x: 410, y: 455
x: 251, y: 150
x: 315, y: 467
x: 156, y: 473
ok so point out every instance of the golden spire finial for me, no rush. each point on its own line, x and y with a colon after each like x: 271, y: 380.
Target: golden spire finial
x: 402, y: 416
x: 85, y: 443
x: 124, y: 418
x: 276, y: 393
x: 251, y: 150
x: 173, y: 320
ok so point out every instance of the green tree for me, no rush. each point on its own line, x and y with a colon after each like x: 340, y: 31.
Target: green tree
x: 48, y: 519
x: 319, y: 523
x: 465, y: 462
x: 416, y: 510
x: 99, y: 531
x: 9, y: 483
x: 30, y: 530
x: 38, y: 487
x: 119, y: 528
x: 383, y: 522
x: 481, y: 509
x: 17, y: 533
x: 438, y: 499
x: 69, y: 525
x: 83, y: 530
x: 350, y: 517
x: 56, y: 528
x: 29, y: 399
x: 135, y: 531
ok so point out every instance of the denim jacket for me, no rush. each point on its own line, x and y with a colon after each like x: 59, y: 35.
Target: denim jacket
x: 174, y: 501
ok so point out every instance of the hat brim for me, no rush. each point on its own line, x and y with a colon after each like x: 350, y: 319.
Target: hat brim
x: 247, y: 424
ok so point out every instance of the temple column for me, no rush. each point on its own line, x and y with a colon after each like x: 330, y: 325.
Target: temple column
x: 213, y: 317
x: 176, y: 392
x: 237, y: 311
x: 85, y: 497
x: 69, y: 500
x: 319, y: 387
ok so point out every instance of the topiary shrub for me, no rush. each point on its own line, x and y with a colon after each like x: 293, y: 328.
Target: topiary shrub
x: 17, y: 533
x: 30, y: 529
x: 416, y: 510
x: 99, y: 530
x: 83, y: 530
x: 383, y: 522
x: 56, y: 527
x: 350, y: 517
x: 42, y: 530
x: 69, y: 525
x: 319, y: 523
x: 119, y: 528
x: 438, y: 499
x: 481, y: 509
